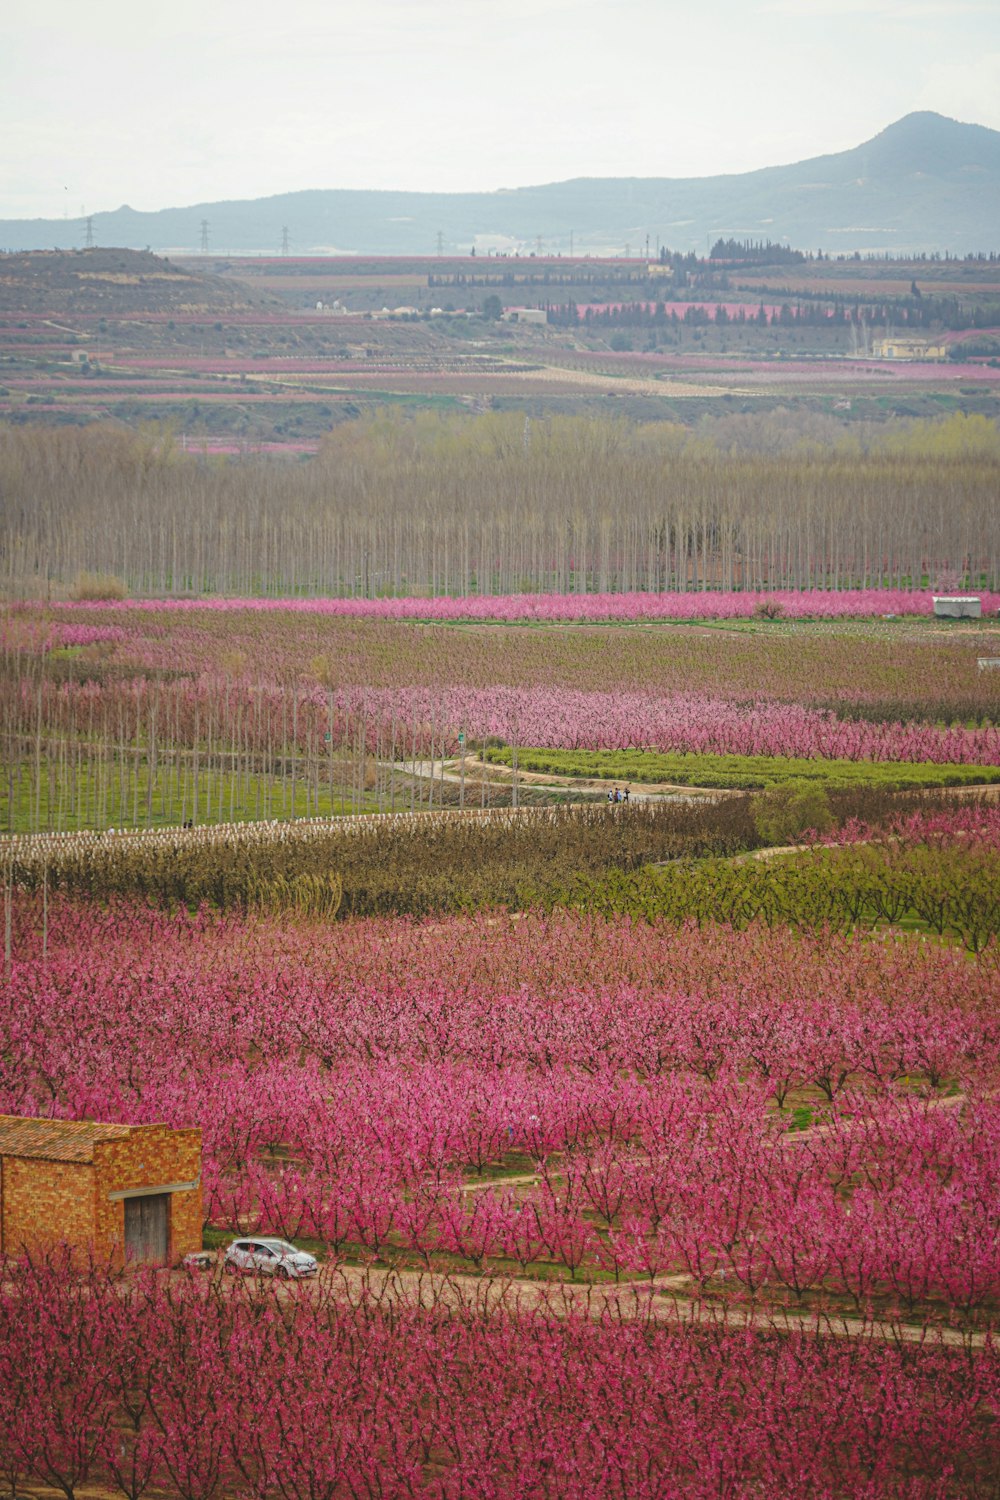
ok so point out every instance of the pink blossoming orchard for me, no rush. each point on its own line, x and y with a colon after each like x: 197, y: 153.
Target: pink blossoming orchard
x: 641, y: 1160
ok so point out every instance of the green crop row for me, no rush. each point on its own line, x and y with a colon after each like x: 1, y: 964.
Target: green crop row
x: 951, y: 890
x: 742, y: 772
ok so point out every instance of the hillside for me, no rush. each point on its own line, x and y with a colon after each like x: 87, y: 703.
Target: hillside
x: 924, y: 184
x: 110, y: 281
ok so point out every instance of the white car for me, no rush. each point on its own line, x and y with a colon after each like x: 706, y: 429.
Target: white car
x: 269, y: 1257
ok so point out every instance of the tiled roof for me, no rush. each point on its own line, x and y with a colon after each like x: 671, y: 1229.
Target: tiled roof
x: 55, y: 1140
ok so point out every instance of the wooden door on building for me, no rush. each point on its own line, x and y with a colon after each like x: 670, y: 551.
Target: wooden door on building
x: 147, y: 1228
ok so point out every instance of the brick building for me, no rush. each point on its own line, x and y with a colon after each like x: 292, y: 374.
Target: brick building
x: 125, y: 1191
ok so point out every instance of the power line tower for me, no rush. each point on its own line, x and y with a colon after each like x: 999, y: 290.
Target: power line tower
x: 204, y: 236
x: 538, y: 245
x: 440, y: 243
x: 88, y: 232
x: 284, y: 239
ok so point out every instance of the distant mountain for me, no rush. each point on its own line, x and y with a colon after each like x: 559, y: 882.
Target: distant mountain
x: 926, y: 183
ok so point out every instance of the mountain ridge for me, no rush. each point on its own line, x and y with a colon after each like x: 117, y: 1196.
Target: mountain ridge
x: 924, y: 184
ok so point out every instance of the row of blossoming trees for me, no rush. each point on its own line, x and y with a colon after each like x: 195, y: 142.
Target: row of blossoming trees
x: 758, y: 1121
x: 156, y: 1388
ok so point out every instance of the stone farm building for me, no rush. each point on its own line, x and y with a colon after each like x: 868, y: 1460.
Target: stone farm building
x: 909, y: 348
x: 120, y: 1191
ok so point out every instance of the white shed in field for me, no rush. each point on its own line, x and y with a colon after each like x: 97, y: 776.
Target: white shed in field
x: 957, y: 606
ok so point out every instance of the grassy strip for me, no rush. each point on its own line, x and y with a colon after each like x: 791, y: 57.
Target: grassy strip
x: 108, y: 795
x: 743, y: 772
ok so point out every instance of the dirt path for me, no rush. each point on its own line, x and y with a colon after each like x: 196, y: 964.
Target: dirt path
x: 477, y: 771
x: 526, y: 1179
x: 666, y: 1299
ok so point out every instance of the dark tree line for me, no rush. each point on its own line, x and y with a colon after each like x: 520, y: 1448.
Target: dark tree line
x: 812, y: 311
x: 755, y: 253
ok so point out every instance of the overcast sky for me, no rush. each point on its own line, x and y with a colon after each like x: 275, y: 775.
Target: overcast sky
x: 105, y: 102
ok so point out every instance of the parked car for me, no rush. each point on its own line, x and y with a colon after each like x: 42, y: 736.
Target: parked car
x: 269, y: 1257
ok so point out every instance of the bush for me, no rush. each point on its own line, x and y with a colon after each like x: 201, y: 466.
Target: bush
x: 782, y: 816
x: 97, y: 586
x: 305, y: 895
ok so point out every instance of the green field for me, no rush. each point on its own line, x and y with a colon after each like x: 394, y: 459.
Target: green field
x: 98, y: 795
x: 742, y: 772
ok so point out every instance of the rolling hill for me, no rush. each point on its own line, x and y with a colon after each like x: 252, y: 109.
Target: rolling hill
x: 113, y: 282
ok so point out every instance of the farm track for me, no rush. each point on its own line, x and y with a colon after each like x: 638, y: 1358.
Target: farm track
x: 665, y: 1299
x: 639, y: 791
